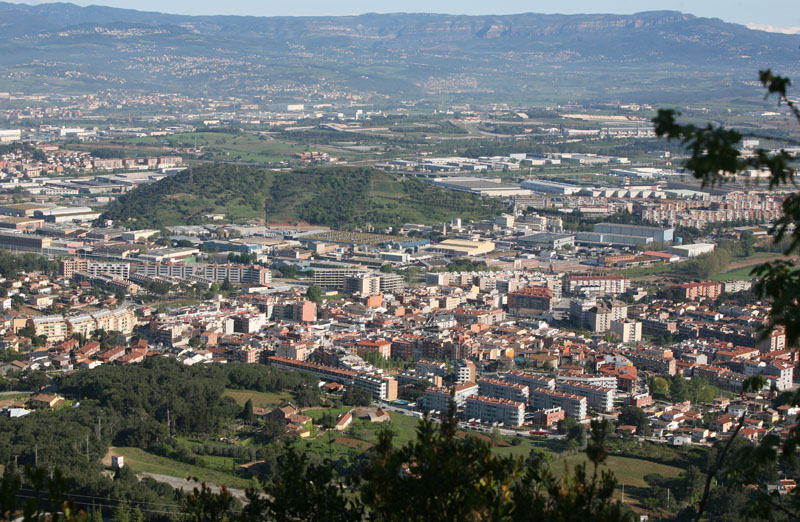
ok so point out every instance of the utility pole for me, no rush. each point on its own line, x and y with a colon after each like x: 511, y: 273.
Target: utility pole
x: 87, y: 447
x: 36, y: 456
x: 169, y: 426
x: 623, y: 493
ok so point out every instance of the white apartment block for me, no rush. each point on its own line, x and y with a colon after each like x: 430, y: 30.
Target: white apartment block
x: 604, y: 381
x: 438, y: 399
x: 490, y: 409
x: 781, y: 374
x: 70, y: 266
x: 465, y: 371
x: 497, y: 389
x: 612, y: 284
x: 597, y: 397
x: 574, y: 406
x: 531, y: 380
x: 240, y: 274
x: 382, y: 387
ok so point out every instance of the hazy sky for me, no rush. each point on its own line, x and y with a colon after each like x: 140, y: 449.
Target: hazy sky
x: 778, y: 13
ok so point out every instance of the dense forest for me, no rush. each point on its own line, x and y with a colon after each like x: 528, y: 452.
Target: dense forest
x: 339, y: 197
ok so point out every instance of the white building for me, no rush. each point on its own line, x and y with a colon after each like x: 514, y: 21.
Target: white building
x: 503, y: 390
x: 597, y: 397
x: 489, y: 409
x: 693, y: 250
x: 438, y: 399
x: 574, y: 406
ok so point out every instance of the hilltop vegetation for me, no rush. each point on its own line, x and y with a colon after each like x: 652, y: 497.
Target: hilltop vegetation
x: 339, y: 197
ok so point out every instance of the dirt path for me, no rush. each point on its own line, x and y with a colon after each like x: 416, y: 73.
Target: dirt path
x: 750, y: 262
x: 189, y: 485
x: 176, y: 482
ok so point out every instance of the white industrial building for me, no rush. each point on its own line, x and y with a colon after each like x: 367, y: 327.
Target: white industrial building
x: 692, y: 250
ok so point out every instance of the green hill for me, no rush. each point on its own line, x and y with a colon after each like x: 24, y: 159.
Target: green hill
x: 339, y: 197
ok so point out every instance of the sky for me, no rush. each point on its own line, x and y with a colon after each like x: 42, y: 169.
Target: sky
x: 764, y: 14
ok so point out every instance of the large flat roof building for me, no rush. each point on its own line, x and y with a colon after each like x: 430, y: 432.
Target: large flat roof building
x: 656, y: 233
x: 462, y: 247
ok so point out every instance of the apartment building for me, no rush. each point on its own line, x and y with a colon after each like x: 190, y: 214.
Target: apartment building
x: 491, y: 409
x: 296, y: 311
x: 438, y: 399
x: 54, y: 327
x: 608, y: 285
x: 781, y: 374
x: 334, y: 278
x: 465, y: 371
x: 597, y: 397
x: 532, y: 380
x: 659, y: 327
x: 382, y: 387
x: 379, y: 346
x: 600, y: 317
x: 436, y: 368
x: 536, y: 298
x: 392, y: 283
x: 503, y: 390
x: 627, y: 331
x: 71, y: 265
x: 363, y: 284
x: 83, y: 324
x: 604, y: 381
x: 249, y: 323
x: 707, y: 289
x: 297, y: 350
x: 325, y: 373
x: 574, y: 406
x: 238, y: 274
x: 652, y: 363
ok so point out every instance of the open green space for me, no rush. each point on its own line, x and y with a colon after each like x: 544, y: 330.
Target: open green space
x: 647, y: 271
x: 260, y: 399
x: 317, y: 413
x: 628, y: 471
x: 738, y: 274
x: 229, y: 146
x: 140, y: 460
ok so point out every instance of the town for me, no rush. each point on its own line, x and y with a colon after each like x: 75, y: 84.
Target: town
x: 235, y: 257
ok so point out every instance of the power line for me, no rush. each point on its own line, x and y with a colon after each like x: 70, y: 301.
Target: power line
x: 110, y: 506
x: 70, y: 495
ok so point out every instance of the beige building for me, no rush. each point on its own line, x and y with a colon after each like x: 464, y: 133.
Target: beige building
x: 627, y: 331
x: 462, y: 247
x: 82, y: 324
x: 54, y: 327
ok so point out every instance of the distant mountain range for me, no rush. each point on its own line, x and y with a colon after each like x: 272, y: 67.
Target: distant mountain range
x: 652, y: 56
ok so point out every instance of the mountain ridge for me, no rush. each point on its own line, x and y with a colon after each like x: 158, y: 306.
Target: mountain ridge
x: 392, y: 54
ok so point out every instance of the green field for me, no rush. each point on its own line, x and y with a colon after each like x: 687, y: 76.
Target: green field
x: 634, y: 273
x: 140, y: 460
x: 738, y: 274
x: 260, y: 399
x: 227, y: 146
x: 629, y: 472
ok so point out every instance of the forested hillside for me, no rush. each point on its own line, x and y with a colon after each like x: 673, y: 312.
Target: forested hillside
x: 339, y: 197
